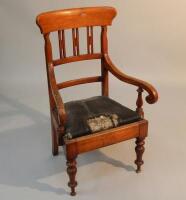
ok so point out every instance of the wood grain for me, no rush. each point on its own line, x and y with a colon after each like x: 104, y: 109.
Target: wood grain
x: 77, y: 58
x: 79, y: 81
x: 153, y: 94
x: 105, y: 138
x: 62, y: 48
x: 74, y: 18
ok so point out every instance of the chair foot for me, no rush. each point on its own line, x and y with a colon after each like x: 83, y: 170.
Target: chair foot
x: 71, y: 170
x: 55, y: 152
x: 139, y: 153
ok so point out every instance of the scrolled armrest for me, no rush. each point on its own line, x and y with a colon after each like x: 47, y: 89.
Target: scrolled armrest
x: 56, y: 95
x: 152, y: 93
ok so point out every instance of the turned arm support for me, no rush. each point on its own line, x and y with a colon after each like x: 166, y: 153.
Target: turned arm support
x: 56, y: 95
x: 152, y: 93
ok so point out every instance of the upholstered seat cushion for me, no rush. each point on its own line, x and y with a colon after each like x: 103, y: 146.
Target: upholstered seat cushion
x: 96, y: 114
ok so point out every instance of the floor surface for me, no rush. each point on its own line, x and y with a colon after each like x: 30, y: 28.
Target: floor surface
x: 28, y: 170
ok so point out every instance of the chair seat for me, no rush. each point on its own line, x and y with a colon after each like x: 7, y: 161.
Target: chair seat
x: 95, y: 114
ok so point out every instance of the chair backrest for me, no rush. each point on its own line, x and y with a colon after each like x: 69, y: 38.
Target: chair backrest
x: 59, y: 21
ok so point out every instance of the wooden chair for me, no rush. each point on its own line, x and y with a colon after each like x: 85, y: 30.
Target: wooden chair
x: 88, y: 124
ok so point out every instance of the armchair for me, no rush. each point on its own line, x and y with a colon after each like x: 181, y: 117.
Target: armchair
x: 84, y: 125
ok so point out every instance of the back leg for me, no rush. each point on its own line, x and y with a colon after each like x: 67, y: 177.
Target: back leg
x: 55, y: 147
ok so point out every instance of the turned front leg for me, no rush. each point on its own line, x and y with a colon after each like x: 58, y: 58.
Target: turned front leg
x: 139, y: 153
x: 71, y: 170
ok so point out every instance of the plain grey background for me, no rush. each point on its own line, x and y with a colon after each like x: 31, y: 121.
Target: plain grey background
x: 147, y: 40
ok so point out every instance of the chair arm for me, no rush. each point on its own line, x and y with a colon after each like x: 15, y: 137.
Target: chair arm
x: 152, y: 93
x: 56, y: 95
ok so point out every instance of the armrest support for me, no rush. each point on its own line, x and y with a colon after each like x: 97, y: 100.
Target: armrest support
x: 56, y: 95
x: 152, y: 93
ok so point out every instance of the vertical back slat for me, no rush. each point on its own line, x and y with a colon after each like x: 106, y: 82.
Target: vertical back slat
x: 75, y: 39
x: 64, y: 48
x: 88, y: 42
x: 60, y: 43
x: 61, y: 38
x: 90, y: 47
